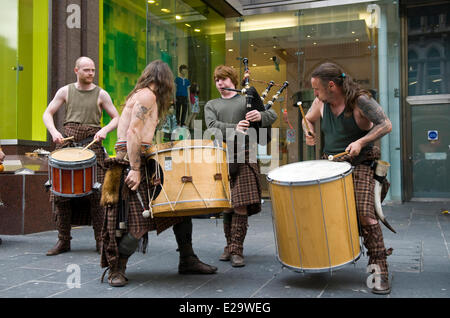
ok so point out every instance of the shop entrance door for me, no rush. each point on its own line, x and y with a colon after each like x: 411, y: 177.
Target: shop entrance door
x: 427, y: 168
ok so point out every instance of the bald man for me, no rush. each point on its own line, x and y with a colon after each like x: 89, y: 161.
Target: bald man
x: 85, y: 103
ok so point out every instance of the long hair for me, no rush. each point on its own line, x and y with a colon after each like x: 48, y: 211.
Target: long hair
x: 158, y: 73
x: 327, y: 72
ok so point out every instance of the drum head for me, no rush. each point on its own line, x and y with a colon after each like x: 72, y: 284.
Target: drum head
x: 311, y: 171
x: 72, y: 154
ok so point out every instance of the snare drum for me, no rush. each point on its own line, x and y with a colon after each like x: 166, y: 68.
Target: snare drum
x: 314, y: 215
x: 72, y: 171
x: 195, y: 174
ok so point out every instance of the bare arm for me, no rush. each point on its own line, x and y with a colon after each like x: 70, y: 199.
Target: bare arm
x: 140, y: 120
x: 311, y: 117
x: 107, y: 104
x: 56, y: 103
x: 371, y: 110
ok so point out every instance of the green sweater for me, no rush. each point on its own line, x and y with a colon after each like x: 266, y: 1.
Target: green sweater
x: 224, y: 113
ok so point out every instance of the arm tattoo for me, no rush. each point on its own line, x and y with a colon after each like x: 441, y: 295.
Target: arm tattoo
x: 142, y: 112
x: 372, y: 110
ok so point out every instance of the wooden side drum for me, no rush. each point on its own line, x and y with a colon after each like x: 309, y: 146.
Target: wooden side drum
x: 314, y: 215
x: 72, y: 171
x: 195, y: 174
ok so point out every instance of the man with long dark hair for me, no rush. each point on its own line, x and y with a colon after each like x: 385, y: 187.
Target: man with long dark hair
x: 351, y: 120
x: 126, y: 183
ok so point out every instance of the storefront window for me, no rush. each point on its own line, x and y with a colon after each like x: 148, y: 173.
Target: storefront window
x: 428, y: 57
x: 23, y: 80
x: 181, y: 33
x: 362, y: 38
x: 138, y: 32
x: 124, y: 52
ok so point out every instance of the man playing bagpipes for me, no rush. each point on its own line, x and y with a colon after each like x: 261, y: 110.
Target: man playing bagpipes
x: 231, y: 118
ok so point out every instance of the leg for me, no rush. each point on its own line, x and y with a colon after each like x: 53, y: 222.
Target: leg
x: 63, y: 213
x: 189, y: 262
x: 370, y: 228
x: 227, y: 217
x: 97, y: 216
x: 373, y: 241
x: 178, y: 106
x: 239, y: 225
x: 127, y: 246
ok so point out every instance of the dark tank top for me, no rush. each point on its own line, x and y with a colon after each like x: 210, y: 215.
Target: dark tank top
x: 339, y: 131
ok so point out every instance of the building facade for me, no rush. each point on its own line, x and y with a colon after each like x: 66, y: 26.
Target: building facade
x: 397, y: 49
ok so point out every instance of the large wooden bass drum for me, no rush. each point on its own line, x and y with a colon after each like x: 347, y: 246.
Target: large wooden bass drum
x: 314, y: 215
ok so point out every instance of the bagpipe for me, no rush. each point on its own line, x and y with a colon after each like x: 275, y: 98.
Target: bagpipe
x: 256, y: 102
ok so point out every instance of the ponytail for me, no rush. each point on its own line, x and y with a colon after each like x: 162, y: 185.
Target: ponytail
x: 327, y: 72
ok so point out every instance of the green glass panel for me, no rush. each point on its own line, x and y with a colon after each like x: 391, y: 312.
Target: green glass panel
x: 8, y: 68
x: 124, y: 25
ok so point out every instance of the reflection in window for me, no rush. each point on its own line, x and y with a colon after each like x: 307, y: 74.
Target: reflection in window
x: 428, y: 57
x: 434, y: 76
x: 413, y: 65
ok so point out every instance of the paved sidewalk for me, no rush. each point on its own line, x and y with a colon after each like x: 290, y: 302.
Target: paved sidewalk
x: 420, y: 264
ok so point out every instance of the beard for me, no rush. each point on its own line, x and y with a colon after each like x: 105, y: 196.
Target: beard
x: 87, y: 80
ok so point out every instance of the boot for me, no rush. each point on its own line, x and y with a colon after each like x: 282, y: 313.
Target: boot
x: 61, y: 246
x: 116, y: 275
x: 192, y: 265
x: 226, y: 256
x: 239, y: 226
x: 373, y: 241
x: 63, y: 219
x: 237, y: 260
x: 189, y: 262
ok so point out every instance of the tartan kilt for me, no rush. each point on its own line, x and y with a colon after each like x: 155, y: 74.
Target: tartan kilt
x: 246, y: 188
x: 137, y: 225
x: 364, y: 183
x: 84, y: 210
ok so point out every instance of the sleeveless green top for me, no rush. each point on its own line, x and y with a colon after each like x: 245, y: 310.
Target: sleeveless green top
x: 339, y: 131
x: 82, y: 108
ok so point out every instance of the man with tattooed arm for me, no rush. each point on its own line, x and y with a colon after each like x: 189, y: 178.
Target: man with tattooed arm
x: 351, y: 120
x: 146, y: 104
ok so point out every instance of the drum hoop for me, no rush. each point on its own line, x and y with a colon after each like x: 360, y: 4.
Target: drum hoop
x: 69, y: 165
x: 310, y: 182
x: 319, y: 269
x: 183, y: 148
x: 188, y: 201
x: 71, y: 195
x: 55, y: 163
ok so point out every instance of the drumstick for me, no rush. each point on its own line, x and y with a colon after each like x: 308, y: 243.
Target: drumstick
x: 304, y: 118
x: 331, y: 157
x: 67, y: 138
x: 92, y: 142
